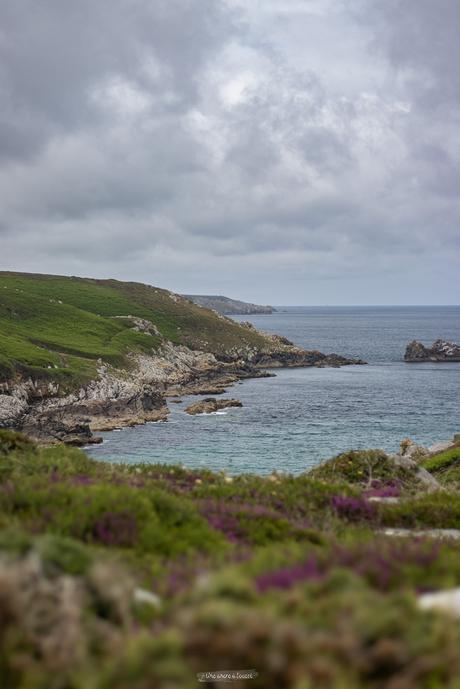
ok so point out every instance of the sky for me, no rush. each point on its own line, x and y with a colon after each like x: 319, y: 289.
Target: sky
x: 276, y: 151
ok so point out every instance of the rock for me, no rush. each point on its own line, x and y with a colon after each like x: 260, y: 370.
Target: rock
x: 81, y: 441
x: 286, y: 355
x: 411, y: 450
x: 442, y: 446
x: 50, y: 429
x: 439, y: 351
x: 12, y: 408
x: 446, y: 601
x: 442, y: 534
x: 210, y: 405
x: 336, y: 360
x: 141, y: 325
x: 144, y: 597
x: 420, y: 474
x: 102, y: 406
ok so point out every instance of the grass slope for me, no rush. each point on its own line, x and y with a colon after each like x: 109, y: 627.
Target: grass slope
x: 286, y: 575
x: 57, y: 327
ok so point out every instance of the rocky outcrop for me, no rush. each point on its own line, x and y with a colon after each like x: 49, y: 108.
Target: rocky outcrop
x: 290, y: 357
x: 50, y: 428
x: 423, y: 476
x: 211, y: 405
x: 140, y: 325
x: 74, y: 418
x: 44, y: 413
x: 136, y: 394
x: 439, y: 351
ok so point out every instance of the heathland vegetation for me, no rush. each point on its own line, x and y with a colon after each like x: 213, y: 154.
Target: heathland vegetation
x: 132, y: 577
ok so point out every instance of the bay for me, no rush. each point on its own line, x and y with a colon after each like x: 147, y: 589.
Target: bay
x: 302, y: 416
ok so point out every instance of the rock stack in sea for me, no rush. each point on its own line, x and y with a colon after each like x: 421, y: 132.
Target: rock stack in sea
x: 439, y: 351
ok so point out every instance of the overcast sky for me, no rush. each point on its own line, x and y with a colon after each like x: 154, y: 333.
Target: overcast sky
x: 278, y: 151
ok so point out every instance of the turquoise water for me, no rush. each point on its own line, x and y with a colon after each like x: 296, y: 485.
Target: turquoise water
x: 302, y: 416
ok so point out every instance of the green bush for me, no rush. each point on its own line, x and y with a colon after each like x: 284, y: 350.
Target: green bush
x: 438, y: 510
x: 365, y: 468
x: 10, y: 441
x: 119, y: 516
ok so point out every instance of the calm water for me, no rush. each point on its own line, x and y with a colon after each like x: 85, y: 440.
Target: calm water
x: 302, y: 416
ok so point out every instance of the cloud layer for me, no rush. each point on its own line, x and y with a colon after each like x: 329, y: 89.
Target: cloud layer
x: 284, y: 151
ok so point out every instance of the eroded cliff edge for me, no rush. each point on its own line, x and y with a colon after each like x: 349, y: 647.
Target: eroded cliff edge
x: 79, y: 356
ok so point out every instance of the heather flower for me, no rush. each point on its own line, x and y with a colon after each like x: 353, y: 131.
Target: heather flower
x: 353, y: 509
x: 226, y: 517
x: 286, y: 577
x: 116, y: 529
x: 380, y: 565
x: 387, y: 490
x: 82, y: 480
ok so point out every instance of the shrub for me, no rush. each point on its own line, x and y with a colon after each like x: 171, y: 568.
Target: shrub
x: 438, y: 510
x: 111, y: 515
x: 364, y: 467
x: 353, y: 509
x: 10, y: 441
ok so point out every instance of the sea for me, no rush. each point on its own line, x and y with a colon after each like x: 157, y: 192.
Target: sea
x: 303, y: 416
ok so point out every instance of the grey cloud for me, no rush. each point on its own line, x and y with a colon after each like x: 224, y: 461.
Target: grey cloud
x: 205, y: 146
x: 54, y: 54
x: 421, y: 39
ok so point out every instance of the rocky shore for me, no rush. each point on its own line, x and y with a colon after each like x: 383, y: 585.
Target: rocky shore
x: 137, y: 394
x: 80, y: 355
x: 439, y: 351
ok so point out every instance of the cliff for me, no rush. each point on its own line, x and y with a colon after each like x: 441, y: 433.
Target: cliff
x: 79, y: 355
x: 439, y: 351
x: 227, y: 306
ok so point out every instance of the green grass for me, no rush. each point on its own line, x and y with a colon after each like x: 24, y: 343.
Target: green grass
x: 57, y: 328
x: 445, y: 466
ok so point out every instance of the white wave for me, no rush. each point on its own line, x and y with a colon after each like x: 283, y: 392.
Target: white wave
x: 213, y: 413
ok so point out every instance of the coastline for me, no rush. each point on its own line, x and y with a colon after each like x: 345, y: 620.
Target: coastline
x: 136, y: 395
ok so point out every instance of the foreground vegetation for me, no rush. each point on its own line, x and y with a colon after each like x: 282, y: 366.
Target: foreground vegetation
x: 121, y: 576
x: 56, y: 328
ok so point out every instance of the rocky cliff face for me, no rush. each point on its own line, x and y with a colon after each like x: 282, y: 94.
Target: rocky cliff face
x: 439, y: 351
x: 136, y: 395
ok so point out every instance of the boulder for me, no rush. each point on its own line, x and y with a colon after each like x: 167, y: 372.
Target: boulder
x: 210, y: 405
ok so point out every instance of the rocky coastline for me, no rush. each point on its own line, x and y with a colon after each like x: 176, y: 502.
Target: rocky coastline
x: 440, y: 350
x: 138, y: 394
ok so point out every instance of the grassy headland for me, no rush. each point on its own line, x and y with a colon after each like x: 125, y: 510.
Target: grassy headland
x: 117, y: 576
x: 78, y: 355
x: 57, y: 328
